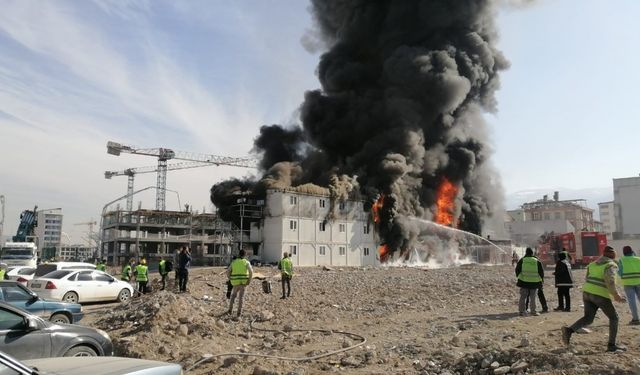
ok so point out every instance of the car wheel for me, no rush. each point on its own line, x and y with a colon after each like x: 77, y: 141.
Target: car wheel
x: 81, y: 351
x: 60, y: 318
x: 70, y: 297
x: 124, y: 295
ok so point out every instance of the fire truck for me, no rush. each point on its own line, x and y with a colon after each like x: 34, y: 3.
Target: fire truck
x: 583, y: 247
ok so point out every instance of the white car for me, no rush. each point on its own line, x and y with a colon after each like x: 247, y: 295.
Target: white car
x: 81, y: 286
x: 21, y: 274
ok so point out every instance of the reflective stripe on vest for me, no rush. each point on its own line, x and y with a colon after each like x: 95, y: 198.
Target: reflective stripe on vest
x: 595, y: 280
x: 239, y: 272
x: 529, y: 272
x: 141, y: 273
x: 630, y: 270
x: 286, y: 266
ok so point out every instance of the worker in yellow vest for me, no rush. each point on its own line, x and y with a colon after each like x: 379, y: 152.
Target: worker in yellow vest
x: 142, y: 276
x: 240, y: 274
x: 286, y: 272
x: 102, y: 265
x: 126, y: 272
x: 597, y: 292
x: 629, y: 271
x: 530, y: 274
x: 3, y: 271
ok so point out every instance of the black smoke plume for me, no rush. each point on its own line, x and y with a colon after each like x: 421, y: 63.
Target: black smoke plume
x: 404, y: 86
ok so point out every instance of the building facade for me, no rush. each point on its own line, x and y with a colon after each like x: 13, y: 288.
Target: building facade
x: 317, y: 230
x: 76, y: 253
x: 49, y: 233
x: 574, y: 211
x: 608, y: 218
x: 626, y: 197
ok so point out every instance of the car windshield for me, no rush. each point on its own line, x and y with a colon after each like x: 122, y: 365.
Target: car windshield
x: 26, y: 271
x: 57, y: 274
x: 44, y: 269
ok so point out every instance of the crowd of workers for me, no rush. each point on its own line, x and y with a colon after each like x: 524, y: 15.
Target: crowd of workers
x: 598, y: 291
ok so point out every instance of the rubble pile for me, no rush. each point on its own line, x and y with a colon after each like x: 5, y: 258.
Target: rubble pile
x: 416, y: 321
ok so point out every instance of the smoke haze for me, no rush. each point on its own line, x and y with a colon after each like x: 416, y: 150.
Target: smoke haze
x: 404, y: 86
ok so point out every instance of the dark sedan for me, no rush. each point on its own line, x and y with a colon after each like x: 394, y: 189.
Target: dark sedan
x: 18, y: 295
x: 27, y: 336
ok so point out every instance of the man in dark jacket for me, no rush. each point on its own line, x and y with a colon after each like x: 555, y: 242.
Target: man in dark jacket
x: 184, y: 263
x: 564, y: 282
x: 530, y: 274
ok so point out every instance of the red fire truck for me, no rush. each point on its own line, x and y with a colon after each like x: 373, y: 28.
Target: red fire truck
x: 583, y: 247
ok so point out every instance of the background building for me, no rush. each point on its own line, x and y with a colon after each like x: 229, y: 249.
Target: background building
x: 76, y: 253
x: 626, y: 198
x: 49, y: 232
x: 608, y: 218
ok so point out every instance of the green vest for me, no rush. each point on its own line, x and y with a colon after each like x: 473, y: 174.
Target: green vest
x: 630, y: 270
x: 161, y: 267
x: 286, y: 266
x: 2, y: 273
x: 141, y: 273
x: 239, y: 272
x: 529, y: 272
x: 595, y: 280
x: 101, y: 267
x: 126, y: 272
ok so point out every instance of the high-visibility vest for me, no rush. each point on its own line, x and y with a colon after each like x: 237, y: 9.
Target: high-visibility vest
x: 141, y: 273
x: 595, y: 280
x: 630, y: 270
x: 239, y: 272
x: 126, y: 272
x: 2, y: 273
x: 161, y: 267
x: 101, y: 267
x: 529, y: 272
x: 286, y: 266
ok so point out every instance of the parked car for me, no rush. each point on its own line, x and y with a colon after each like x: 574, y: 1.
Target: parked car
x: 79, y: 286
x: 26, y: 336
x: 21, y: 274
x: 86, y: 365
x: 20, y: 296
x: 44, y: 268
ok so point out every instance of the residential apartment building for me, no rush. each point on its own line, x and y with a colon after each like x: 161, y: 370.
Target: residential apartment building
x: 574, y: 211
x: 608, y: 218
x: 626, y: 197
x: 76, y: 253
x: 48, y: 233
x: 317, y: 230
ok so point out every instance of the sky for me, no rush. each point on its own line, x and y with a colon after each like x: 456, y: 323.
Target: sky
x: 203, y: 76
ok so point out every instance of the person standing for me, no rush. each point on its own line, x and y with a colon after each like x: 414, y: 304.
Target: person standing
x: 240, y: 274
x: 184, y: 263
x: 126, y: 271
x: 102, y: 265
x: 176, y: 262
x: 629, y: 271
x: 286, y: 272
x: 597, y: 291
x: 162, y: 269
x: 142, y: 276
x: 564, y: 282
x: 530, y: 274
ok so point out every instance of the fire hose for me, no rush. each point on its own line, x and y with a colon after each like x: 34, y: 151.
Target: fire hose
x: 362, y: 339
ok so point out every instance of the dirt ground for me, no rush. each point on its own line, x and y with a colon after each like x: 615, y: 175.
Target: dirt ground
x: 459, y: 320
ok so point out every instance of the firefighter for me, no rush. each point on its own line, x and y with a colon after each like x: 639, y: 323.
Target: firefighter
x: 286, y: 272
x: 597, y: 292
x: 629, y: 271
x: 240, y: 273
x: 142, y: 276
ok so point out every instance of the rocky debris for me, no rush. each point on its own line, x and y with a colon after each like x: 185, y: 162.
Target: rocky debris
x: 439, y: 321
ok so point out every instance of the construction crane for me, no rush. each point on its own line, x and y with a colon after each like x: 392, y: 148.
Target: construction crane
x: 90, y: 224
x: 165, y: 154
x: 131, y: 172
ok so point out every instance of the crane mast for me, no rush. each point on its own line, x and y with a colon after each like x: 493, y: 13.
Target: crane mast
x: 165, y: 154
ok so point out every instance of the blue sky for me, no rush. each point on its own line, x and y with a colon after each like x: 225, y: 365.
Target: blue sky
x: 202, y: 76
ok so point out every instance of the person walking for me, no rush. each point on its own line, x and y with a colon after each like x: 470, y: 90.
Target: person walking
x: 142, y: 276
x: 530, y: 274
x: 564, y: 282
x: 240, y: 274
x: 162, y: 269
x: 597, y: 291
x: 629, y: 271
x: 184, y: 263
x: 286, y: 272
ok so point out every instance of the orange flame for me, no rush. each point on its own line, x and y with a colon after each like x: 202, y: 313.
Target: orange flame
x: 445, y: 202
x: 376, y: 207
x: 383, y: 252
